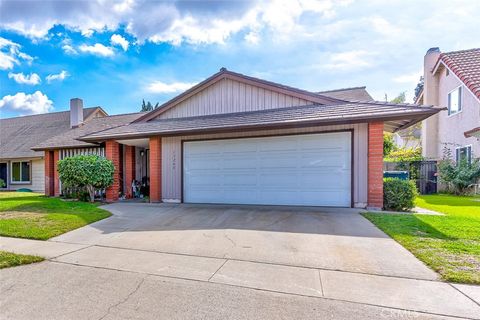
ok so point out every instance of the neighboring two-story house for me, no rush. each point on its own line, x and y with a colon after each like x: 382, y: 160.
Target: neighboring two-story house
x: 452, y: 81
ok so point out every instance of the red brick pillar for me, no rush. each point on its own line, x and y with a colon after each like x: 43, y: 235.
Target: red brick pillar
x: 129, y: 170
x: 155, y: 169
x: 375, y: 165
x: 56, y: 179
x: 112, y: 154
x: 49, y: 176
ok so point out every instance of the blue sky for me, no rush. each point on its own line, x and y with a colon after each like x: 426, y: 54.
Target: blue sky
x: 116, y: 53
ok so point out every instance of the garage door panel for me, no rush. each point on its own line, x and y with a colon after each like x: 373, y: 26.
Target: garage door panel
x: 240, y: 163
x: 291, y: 170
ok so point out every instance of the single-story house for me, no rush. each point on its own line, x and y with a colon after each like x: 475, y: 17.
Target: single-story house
x: 22, y: 167
x: 235, y: 139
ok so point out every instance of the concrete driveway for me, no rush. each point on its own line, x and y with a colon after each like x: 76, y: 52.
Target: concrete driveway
x: 333, y: 239
x: 146, y: 257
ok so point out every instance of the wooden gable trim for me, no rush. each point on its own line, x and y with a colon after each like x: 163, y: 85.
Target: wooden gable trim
x: 97, y: 110
x: 225, y: 74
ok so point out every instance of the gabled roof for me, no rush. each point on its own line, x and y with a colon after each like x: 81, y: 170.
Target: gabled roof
x: 18, y: 135
x: 226, y: 74
x: 349, y: 94
x: 396, y: 116
x: 465, y: 64
x: 69, y: 139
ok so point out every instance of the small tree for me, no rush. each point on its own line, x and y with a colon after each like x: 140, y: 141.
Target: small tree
x: 2, y: 183
x: 91, y: 172
x: 388, y: 144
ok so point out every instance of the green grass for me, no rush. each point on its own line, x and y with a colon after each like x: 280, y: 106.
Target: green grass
x: 8, y: 259
x: 34, y: 216
x: 449, y: 244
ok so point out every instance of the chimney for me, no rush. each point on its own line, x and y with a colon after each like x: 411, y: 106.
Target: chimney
x: 430, y: 89
x: 429, y: 134
x: 76, y: 112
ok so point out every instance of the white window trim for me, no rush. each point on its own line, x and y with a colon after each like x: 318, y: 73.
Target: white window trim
x: 465, y: 146
x: 11, y: 172
x: 461, y: 101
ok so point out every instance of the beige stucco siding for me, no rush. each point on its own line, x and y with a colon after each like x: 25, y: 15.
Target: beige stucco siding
x: 442, y: 130
x: 172, y: 158
x: 226, y: 96
x: 37, y: 176
x: 468, y: 118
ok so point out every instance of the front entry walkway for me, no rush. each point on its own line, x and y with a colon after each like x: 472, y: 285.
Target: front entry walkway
x: 310, y: 252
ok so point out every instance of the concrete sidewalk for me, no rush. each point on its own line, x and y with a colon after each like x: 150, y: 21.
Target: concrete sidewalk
x: 58, y: 291
x: 45, y: 249
x: 426, y: 296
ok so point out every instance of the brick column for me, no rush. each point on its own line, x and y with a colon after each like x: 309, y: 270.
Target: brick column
x: 155, y: 169
x: 129, y: 169
x: 112, y: 154
x: 49, y: 176
x: 56, y: 179
x: 375, y: 165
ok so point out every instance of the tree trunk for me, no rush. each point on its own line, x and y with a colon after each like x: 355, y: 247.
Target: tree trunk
x: 91, y: 192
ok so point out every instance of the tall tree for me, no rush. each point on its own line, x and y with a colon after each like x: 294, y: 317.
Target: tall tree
x: 148, y: 106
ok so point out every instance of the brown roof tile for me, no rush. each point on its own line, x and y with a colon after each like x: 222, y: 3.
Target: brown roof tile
x: 403, y: 114
x: 466, y: 66
x: 69, y: 138
x: 348, y: 94
x: 19, y: 134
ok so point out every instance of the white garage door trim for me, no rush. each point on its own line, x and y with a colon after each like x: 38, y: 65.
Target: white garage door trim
x: 302, y: 169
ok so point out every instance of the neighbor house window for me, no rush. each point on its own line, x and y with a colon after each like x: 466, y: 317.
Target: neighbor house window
x: 21, y: 171
x: 464, y: 153
x: 455, y: 101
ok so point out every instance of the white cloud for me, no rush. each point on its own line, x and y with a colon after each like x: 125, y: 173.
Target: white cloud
x: 57, y: 77
x: 409, y: 78
x: 117, y: 39
x: 355, y: 59
x: 34, y: 103
x: 252, y: 37
x: 170, y: 22
x: 68, y: 49
x: 32, y: 79
x: 162, y: 87
x: 11, y: 55
x: 97, y: 49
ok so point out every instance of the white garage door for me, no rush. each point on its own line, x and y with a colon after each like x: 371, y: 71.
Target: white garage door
x: 313, y: 169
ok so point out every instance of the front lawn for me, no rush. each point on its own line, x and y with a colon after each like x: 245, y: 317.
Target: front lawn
x: 8, y: 259
x: 449, y: 244
x: 34, y: 216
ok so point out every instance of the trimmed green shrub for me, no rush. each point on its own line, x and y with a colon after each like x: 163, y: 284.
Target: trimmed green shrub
x: 2, y: 183
x: 91, y: 172
x: 399, y: 195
